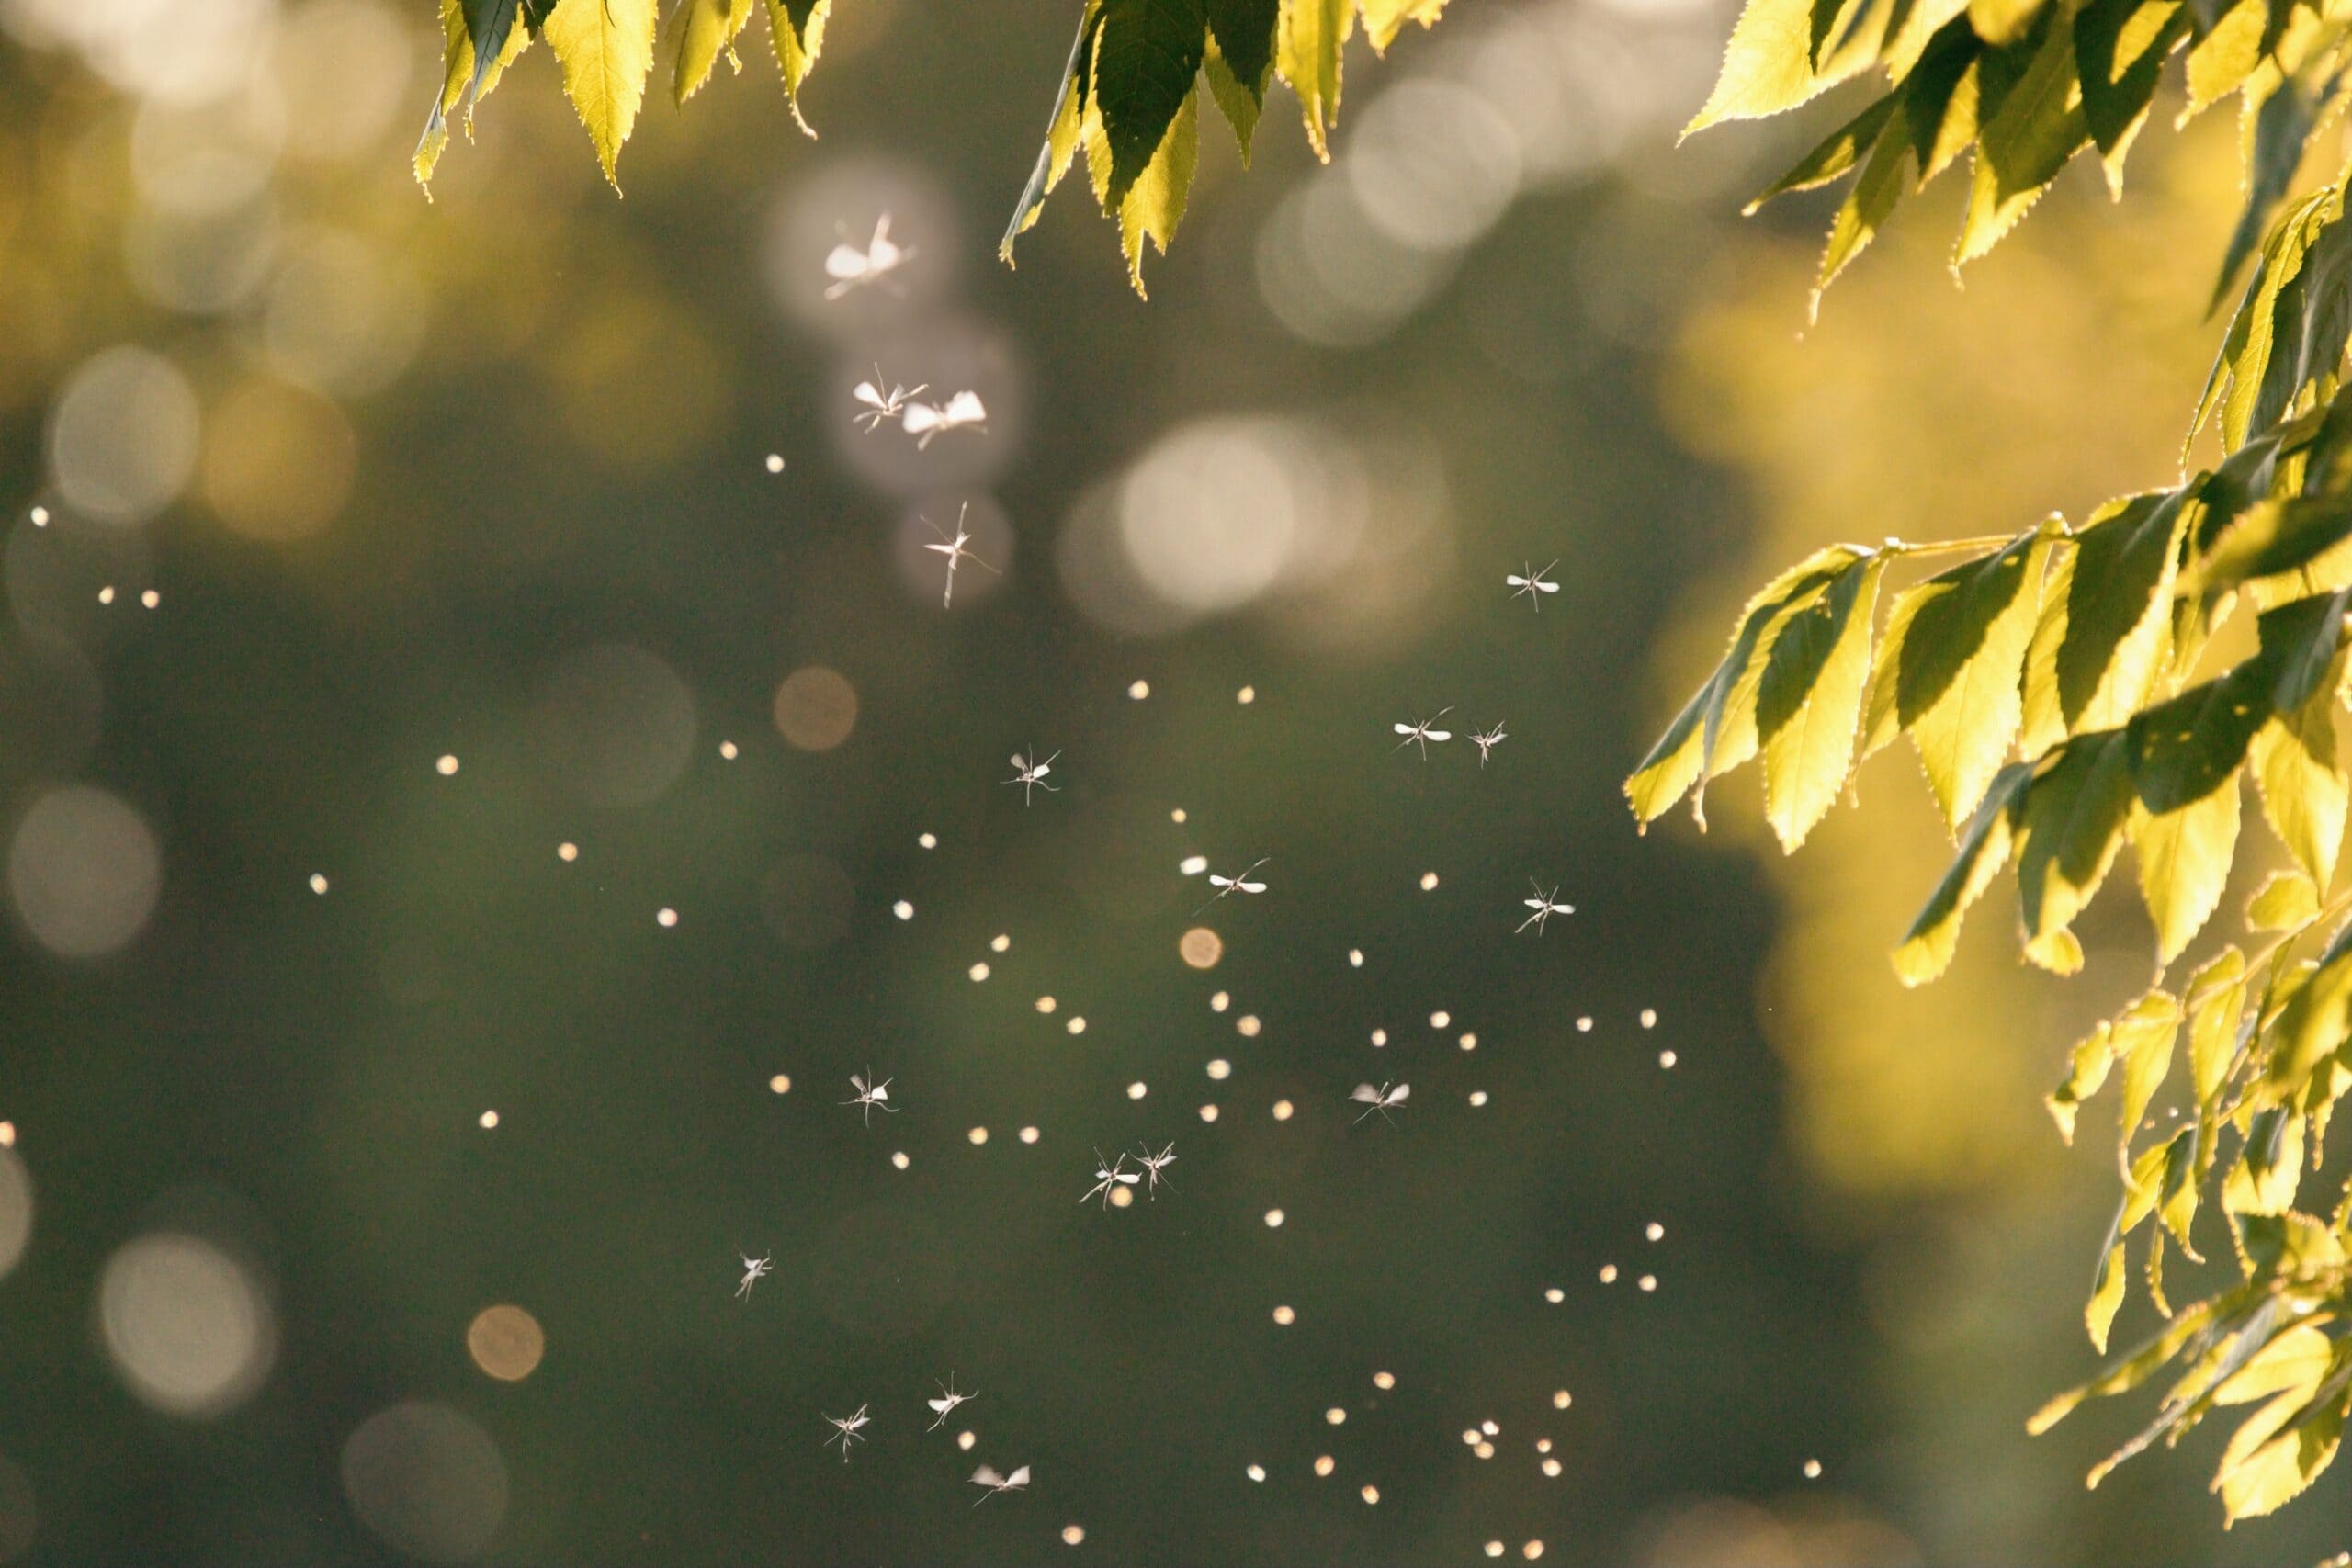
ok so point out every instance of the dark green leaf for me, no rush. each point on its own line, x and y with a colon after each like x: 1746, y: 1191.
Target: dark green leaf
x: 1144, y: 66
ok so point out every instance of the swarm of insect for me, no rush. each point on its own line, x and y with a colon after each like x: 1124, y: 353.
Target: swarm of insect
x: 924, y: 421
x: 1419, y: 733
x: 1381, y: 1100
x: 1108, y: 1175
x: 1032, y: 776
x: 851, y: 268
x: 1156, y: 1166
x: 846, y: 1429
x: 881, y: 406
x: 1241, y: 884
x: 987, y: 1476
x: 1531, y: 585
x: 871, y: 1095
x: 947, y: 1401
x: 954, y: 550
x: 1545, y: 905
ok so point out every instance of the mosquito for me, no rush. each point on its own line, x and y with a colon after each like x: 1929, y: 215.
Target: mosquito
x: 882, y: 407
x: 1031, y: 776
x: 845, y: 1429
x: 1488, y: 741
x: 754, y: 1271
x: 947, y: 1401
x: 1545, y: 905
x: 987, y: 1476
x: 1531, y: 585
x: 955, y: 551
x: 924, y: 421
x: 1421, y: 733
x: 1110, y: 1175
x: 871, y: 1095
x: 1380, y: 1099
x: 1241, y: 884
x: 851, y: 268
x: 1156, y: 1166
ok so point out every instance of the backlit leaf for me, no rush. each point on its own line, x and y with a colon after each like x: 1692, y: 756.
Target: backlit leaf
x: 1144, y: 66
x: 1308, y: 42
x: 2069, y: 832
x: 2184, y: 856
x: 2039, y: 127
x: 1768, y: 65
x: 1983, y: 850
x: 796, y: 29
x: 606, y: 48
x: 1810, y: 701
x: 707, y: 28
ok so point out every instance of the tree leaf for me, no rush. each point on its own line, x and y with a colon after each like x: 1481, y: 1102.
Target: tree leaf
x: 1866, y: 208
x: 2039, y: 127
x: 2295, y: 1361
x: 1243, y: 32
x: 1716, y: 728
x: 2069, y: 832
x: 466, y: 79
x: 2302, y: 785
x: 2183, y: 749
x: 1384, y: 19
x: 2281, y: 1449
x: 1948, y: 672
x: 2220, y: 61
x: 2113, y: 623
x: 1983, y: 850
x: 2106, y: 1293
x: 1810, y: 699
x: 2216, y: 995
x: 1770, y: 66
x: 2144, y: 1041
x: 607, y: 49
x: 1308, y: 41
x: 2286, y: 900
x: 1144, y: 66
x: 1239, y: 100
x: 2132, y: 1030
x: 1840, y: 153
x: 2134, y: 1368
x: 2002, y: 21
x: 2280, y: 127
x: 2119, y: 51
x: 707, y: 28
x: 2184, y: 856
x: 1154, y: 205
x: 796, y: 29
x: 1061, y: 135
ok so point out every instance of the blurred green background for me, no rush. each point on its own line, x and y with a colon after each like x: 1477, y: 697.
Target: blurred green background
x: 488, y: 478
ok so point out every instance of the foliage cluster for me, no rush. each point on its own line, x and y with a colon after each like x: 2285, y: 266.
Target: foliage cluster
x: 2072, y: 689
x: 1129, y: 95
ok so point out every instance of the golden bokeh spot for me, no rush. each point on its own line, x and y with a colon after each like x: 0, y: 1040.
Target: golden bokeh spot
x: 816, y: 708
x: 278, y: 461
x: 507, y: 1342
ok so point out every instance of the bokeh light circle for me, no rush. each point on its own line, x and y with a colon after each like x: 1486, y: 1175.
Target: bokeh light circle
x: 84, y: 871
x: 122, y: 436
x: 186, y: 1324
x: 428, y: 1480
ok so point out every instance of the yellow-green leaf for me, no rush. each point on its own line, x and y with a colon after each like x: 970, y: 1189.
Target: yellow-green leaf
x: 2106, y: 1296
x: 2293, y: 1362
x: 1384, y: 19
x: 2303, y: 788
x: 1951, y: 677
x: 2184, y: 857
x: 2068, y: 834
x: 2286, y: 900
x: 707, y: 29
x: 2002, y: 21
x: 606, y: 48
x: 2281, y: 1449
x: 1927, y: 948
x: 1154, y: 203
x: 1308, y: 41
x: 1062, y: 135
x: 2038, y: 126
x: 796, y: 28
x: 1810, y: 701
x: 2219, y: 62
x: 1768, y: 65
x: 2144, y: 1039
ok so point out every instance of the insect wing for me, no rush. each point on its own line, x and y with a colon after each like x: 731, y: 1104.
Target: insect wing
x: 1398, y: 1098
x: 1438, y: 734
x: 987, y: 1476
x: 965, y: 408
x: 1251, y: 887
x: 1018, y: 1478
x: 846, y: 261
x: 1365, y: 1094
x: 1542, y: 587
